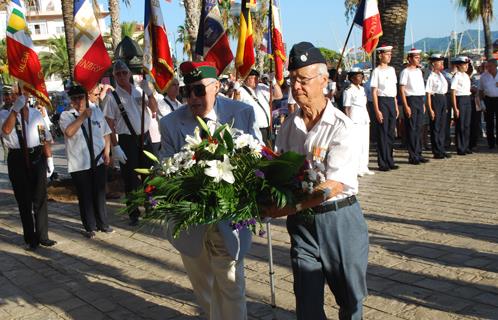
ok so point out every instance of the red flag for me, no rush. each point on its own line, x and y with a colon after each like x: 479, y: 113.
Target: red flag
x: 277, y: 45
x: 368, y: 17
x: 244, y: 59
x: 23, y: 60
x: 157, y: 55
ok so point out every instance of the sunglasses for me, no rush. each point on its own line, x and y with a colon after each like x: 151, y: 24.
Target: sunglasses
x: 199, y: 90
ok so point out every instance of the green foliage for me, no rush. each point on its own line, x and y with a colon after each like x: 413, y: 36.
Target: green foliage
x: 330, y: 55
x: 56, y: 62
x: 475, y: 9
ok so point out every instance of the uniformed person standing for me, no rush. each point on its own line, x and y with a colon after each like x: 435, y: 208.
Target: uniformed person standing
x: 29, y: 164
x: 355, y: 107
x: 436, y: 89
x: 460, y: 96
x: 412, y: 91
x: 489, y: 88
x: 89, y: 178
x: 383, y: 87
x: 123, y: 112
x: 330, y: 246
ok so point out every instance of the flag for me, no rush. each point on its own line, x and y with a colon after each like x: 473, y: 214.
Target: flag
x: 212, y: 39
x: 91, y: 59
x: 367, y: 17
x: 22, y: 58
x: 277, y: 45
x: 157, y: 55
x: 244, y: 59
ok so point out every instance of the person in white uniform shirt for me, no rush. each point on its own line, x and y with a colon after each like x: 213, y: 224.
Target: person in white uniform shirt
x: 412, y: 91
x: 489, y: 87
x: 436, y: 89
x: 355, y: 107
x: 29, y: 163
x: 169, y: 102
x: 330, y: 246
x: 89, y: 177
x: 258, y: 96
x: 123, y: 112
x: 385, y: 106
x: 460, y: 97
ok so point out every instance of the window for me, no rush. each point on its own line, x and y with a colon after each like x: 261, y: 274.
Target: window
x: 38, y: 28
x: 59, y: 30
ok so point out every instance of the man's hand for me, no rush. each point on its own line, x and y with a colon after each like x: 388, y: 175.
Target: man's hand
x: 87, y: 113
x: 146, y: 88
x: 19, y: 103
x: 456, y: 113
x: 432, y: 114
x: 107, y: 159
x: 119, y: 154
x: 379, y: 116
x: 408, y: 112
x: 50, y: 166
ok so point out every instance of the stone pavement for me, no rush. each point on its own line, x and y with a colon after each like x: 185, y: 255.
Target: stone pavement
x: 433, y: 255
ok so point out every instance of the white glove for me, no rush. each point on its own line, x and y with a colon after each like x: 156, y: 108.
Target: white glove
x: 19, y: 103
x: 483, y: 106
x: 50, y: 166
x: 119, y: 154
x: 145, y: 87
x: 236, y: 85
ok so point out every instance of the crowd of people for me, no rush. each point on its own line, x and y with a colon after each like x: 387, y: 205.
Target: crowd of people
x: 310, y: 114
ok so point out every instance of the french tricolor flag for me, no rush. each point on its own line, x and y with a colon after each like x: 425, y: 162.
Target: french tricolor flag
x: 368, y: 17
x: 91, y: 59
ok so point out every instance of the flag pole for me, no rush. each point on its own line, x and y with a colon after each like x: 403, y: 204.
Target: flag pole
x: 343, y: 49
x: 24, y: 145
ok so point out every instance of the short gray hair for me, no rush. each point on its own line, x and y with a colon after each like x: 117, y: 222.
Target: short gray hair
x: 322, y: 69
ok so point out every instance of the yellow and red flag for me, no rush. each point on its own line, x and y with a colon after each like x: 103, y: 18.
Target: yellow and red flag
x: 277, y: 44
x: 22, y: 58
x: 244, y: 59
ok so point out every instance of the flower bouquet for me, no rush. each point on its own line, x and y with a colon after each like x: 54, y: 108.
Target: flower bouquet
x: 224, y: 176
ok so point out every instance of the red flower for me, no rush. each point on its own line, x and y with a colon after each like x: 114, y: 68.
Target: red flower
x: 149, y: 189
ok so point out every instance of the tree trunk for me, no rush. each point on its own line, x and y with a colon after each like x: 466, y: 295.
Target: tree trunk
x: 488, y: 40
x: 192, y: 18
x: 115, y: 23
x: 67, y: 17
x: 393, y: 14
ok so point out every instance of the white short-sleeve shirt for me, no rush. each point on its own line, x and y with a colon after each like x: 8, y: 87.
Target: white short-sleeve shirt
x: 413, y: 81
x: 132, y: 104
x: 77, y: 152
x: 436, y: 83
x: 461, y: 84
x: 384, y: 79
x: 356, y: 98
x: 166, y: 105
x: 37, y: 131
x: 331, y: 142
x: 489, y: 84
x: 262, y: 93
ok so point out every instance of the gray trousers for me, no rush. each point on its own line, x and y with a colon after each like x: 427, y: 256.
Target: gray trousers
x: 331, y: 247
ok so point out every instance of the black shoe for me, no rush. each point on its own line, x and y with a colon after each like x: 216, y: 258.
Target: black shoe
x: 133, y: 223
x: 48, y: 243
x: 106, y: 230
x: 384, y: 169
x: 412, y: 161
x: 394, y: 167
x: 89, y: 234
x: 423, y: 160
x: 461, y: 153
x: 447, y: 155
x: 439, y: 156
x: 469, y: 152
x: 31, y: 247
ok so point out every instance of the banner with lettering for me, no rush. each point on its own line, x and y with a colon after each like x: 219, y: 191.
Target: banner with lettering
x: 22, y: 58
x: 91, y: 59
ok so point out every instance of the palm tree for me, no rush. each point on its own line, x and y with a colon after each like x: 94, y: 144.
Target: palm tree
x: 192, y: 18
x: 68, y: 18
x: 475, y: 9
x: 129, y: 29
x: 56, y: 62
x: 184, y: 38
x: 393, y: 16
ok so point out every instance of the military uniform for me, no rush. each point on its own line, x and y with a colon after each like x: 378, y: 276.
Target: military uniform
x: 460, y: 84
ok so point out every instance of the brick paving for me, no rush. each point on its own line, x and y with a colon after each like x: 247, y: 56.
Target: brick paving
x: 433, y: 255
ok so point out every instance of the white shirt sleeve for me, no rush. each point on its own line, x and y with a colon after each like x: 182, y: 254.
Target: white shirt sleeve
x: 455, y: 82
x: 429, y: 85
x: 347, y: 98
x: 403, y: 78
x: 342, y: 163
x: 374, y: 79
x: 110, y: 106
x: 65, y: 120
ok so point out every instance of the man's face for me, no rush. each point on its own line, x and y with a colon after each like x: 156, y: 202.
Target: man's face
x: 385, y: 56
x: 491, y: 67
x: 438, y: 65
x: 252, y: 81
x: 122, y: 77
x: 414, y: 59
x: 78, y: 101
x: 307, y: 84
x: 173, y: 88
x: 357, y: 78
x: 9, y: 98
x: 202, y: 96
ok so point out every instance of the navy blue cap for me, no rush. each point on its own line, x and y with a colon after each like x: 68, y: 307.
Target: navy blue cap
x: 304, y: 54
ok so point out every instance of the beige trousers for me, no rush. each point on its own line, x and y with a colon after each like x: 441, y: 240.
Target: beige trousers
x: 218, y: 280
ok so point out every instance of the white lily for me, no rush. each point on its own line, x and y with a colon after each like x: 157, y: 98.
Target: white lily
x: 195, y: 140
x: 212, y: 147
x: 220, y: 170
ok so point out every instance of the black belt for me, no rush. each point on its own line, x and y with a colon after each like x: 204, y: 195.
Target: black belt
x: 336, y: 205
x: 36, y: 149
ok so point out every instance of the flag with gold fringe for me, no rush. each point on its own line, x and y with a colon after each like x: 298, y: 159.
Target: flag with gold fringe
x: 244, y: 59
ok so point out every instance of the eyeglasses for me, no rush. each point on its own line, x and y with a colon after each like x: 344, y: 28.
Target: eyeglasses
x: 79, y: 97
x: 302, y: 81
x: 199, y: 90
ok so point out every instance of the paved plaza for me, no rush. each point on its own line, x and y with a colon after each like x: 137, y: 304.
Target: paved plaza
x: 433, y: 255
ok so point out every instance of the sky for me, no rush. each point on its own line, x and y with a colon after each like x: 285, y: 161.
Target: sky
x: 323, y: 22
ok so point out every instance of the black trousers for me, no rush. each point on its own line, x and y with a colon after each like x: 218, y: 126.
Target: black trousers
x: 491, y: 117
x: 386, y: 132
x: 266, y: 135
x: 136, y: 159
x: 447, y: 129
x: 463, y: 124
x: 414, y: 127
x: 475, y: 124
x: 438, y: 125
x: 30, y: 190
x: 90, y: 187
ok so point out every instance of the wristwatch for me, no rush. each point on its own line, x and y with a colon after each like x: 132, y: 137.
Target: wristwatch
x: 299, y: 207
